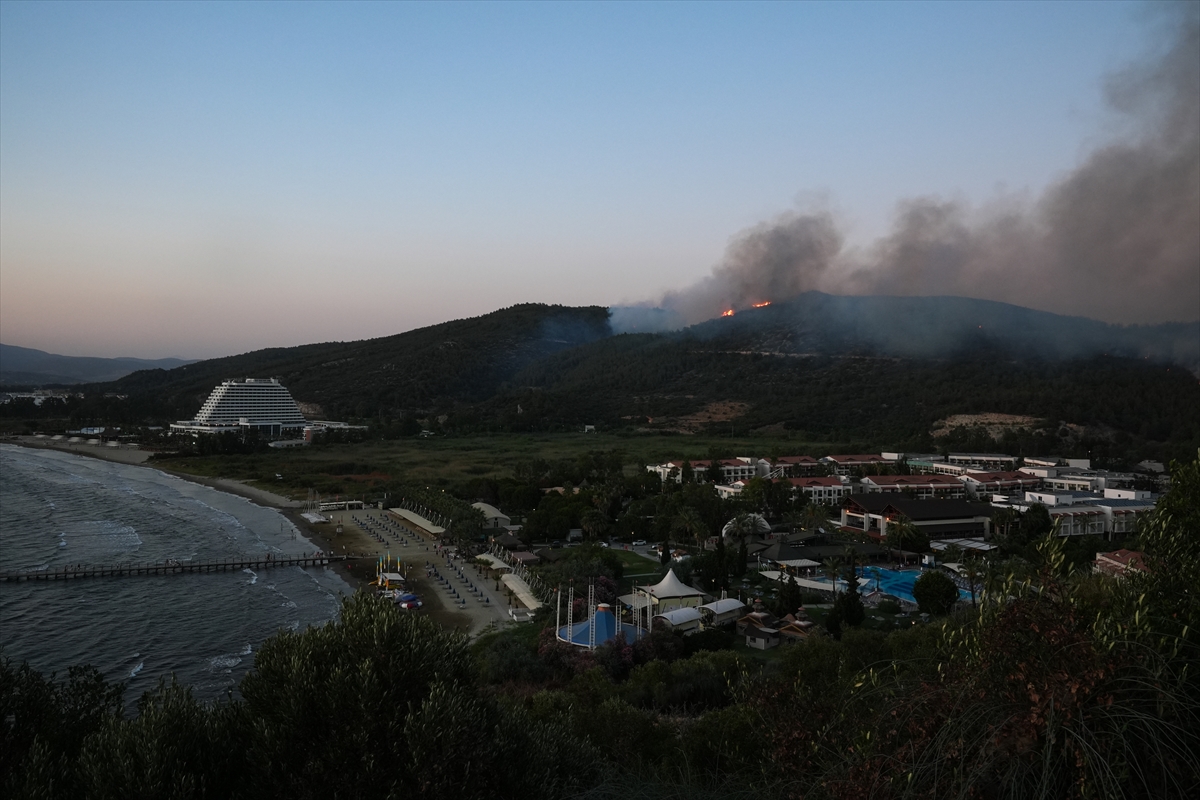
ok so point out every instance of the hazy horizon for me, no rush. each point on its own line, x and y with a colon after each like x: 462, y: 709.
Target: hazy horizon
x: 199, y: 180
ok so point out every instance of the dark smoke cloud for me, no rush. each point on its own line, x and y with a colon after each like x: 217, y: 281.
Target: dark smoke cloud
x: 1117, y: 239
x: 773, y: 260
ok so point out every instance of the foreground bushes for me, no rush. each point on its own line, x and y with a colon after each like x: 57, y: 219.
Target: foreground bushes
x: 378, y: 704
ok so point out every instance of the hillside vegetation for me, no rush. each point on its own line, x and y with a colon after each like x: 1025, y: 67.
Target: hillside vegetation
x: 877, y: 370
x: 456, y: 362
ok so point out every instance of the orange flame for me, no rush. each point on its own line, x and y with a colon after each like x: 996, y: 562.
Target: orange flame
x: 760, y: 305
x: 728, y: 313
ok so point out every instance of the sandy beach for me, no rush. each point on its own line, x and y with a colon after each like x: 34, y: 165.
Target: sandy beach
x: 364, y: 549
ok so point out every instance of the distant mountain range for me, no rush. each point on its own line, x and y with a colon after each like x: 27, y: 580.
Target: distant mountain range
x: 869, y: 369
x: 23, y: 366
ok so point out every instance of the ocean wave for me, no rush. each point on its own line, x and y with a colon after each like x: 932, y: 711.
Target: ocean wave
x: 115, y: 535
x: 218, y: 514
x: 253, y: 576
x: 103, y: 522
x: 225, y: 662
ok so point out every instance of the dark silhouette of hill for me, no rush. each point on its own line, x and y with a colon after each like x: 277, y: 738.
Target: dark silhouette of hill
x: 871, y: 369
x: 461, y: 361
x: 939, y: 327
x: 641, y: 380
x: 25, y: 366
x: 875, y: 369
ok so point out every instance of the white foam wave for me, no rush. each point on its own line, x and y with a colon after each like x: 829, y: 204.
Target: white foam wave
x: 225, y: 662
x: 133, y: 672
x: 253, y: 575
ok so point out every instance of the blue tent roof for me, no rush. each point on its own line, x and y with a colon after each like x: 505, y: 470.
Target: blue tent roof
x: 606, y: 630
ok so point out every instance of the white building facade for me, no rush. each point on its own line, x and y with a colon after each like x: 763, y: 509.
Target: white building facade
x: 261, y: 404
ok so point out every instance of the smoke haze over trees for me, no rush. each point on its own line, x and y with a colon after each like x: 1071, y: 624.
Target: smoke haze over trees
x: 1116, y: 239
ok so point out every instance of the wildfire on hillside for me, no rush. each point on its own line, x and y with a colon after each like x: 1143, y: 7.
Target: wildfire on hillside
x: 762, y: 304
x: 727, y: 313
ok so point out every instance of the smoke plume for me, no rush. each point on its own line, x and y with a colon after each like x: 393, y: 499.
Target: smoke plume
x: 1117, y: 239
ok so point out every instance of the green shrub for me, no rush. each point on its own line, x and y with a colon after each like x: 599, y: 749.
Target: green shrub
x: 888, y: 607
x: 935, y: 593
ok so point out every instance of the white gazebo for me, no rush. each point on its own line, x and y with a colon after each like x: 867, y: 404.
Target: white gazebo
x: 671, y: 593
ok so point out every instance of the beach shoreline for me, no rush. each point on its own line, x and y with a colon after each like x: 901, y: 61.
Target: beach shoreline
x: 358, y: 571
x: 353, y: 571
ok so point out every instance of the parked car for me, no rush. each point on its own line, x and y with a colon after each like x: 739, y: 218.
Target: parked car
x: 640, y: 543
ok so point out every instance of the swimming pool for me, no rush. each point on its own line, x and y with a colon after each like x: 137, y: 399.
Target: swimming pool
x: 898, y: 583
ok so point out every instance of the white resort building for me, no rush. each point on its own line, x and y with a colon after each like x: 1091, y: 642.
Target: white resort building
x: 263, y: 404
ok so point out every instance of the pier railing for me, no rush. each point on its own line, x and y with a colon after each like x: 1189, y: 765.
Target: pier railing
x: 168, y: 567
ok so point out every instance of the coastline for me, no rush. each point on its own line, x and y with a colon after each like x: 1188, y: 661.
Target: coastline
x: 290, y: 509
x: 357, y: 572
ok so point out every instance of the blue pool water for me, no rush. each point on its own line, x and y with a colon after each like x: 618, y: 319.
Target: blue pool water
x: 898, y: 583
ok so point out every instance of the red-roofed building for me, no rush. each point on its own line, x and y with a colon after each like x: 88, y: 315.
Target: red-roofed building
x: 821, y: 490
x: 732, y: 469
x: 922, y: 487
x: 1120, y: 562
x: 938, y: 519
x: 983, y: 484
x: 791, y: 466
x: 845, y: 464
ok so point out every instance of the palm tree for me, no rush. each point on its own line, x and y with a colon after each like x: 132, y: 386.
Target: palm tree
x: 953, y: 554
x: 815, y: 516
x: 972, y: 573
x: 830, y: 567
x: 593, y: 523
x: 794, y: 520
x: 852, y: 557
x: 1004, y: 517
x: 688, y: 521
x: 900, y: 533
x: 743, y: 527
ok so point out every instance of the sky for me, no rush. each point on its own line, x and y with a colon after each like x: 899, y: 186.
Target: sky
x: 202, y: 179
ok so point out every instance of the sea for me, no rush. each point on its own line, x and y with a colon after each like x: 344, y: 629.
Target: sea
x: 59, y: 509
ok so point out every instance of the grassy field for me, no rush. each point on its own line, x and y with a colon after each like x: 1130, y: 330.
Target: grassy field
x: 635, y: 564
x: 450, y: 461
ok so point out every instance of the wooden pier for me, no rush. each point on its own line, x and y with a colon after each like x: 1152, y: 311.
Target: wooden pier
x: 168, y: 567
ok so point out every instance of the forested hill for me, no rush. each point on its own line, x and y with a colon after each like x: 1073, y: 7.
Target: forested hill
x: 942, y: 327
x: 876, y: 370
x: 687, y: 385
x: 881, y: 371
x: 462, y: 361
